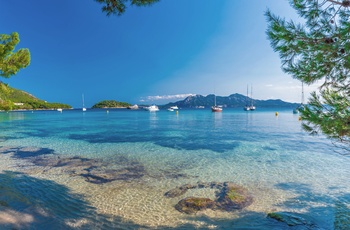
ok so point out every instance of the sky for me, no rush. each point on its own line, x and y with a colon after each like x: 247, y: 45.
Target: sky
x: 156, y: 54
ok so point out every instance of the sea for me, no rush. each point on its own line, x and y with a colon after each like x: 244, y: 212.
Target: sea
x: 112, y: 169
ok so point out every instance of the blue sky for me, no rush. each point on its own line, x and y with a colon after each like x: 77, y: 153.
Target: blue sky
x: 151, y: 54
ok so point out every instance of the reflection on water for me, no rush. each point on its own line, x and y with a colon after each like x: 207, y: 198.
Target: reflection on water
x: 11, y: 116
x: 153, y: 120
x: 217, y: 118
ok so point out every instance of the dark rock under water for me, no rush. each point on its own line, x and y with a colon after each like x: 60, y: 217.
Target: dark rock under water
x: 229, y: 197
x: 293, y: 219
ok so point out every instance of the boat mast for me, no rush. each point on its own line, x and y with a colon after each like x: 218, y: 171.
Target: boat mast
x: 214, y: 100
x: 251, y: 95
x: 302, y: 93
x: 83, y: 100
x: 247, y: 97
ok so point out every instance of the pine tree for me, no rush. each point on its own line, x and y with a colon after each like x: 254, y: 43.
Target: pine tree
x: 119, y: 6
x: 318, y: 48
x: 11, y: 62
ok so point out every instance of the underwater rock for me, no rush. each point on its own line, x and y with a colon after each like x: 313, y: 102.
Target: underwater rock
x: 175, y: 192
x: 192, y: 205
x: 99, y: 176
x: 217, y: 185
x: 291, y: 219
x: 170, y: 174
x: 178, y: 191
x: 341, y: 215
x: 31, y: 152
x: 97, y: 179
x: 69, y: 162
x: 229, y: 197
x: 4, y: 203
x: 233, y: 197
x: 95, y: 170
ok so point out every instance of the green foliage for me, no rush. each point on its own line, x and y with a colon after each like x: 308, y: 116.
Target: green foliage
x: 119, y: 6
x: 11, y: 62
x: 318, y: 49
x: 328, y: 113
x: 110, y: 104
x: 9, y: 96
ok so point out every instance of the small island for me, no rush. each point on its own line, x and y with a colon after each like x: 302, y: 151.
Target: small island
x: 110, y: 104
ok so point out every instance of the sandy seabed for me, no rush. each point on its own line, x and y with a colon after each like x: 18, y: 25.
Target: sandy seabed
x: 138, y: 201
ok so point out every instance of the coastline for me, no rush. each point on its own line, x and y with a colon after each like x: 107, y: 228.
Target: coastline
x: 26, y: 110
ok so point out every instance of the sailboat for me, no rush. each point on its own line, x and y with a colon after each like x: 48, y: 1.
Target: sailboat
x: 216, y: 108
x: 247, y: 107
x: 301, y: 106
x: 252, y: 107
x: 84, y: 109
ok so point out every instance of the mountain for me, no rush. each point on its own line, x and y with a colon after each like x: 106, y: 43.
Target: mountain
x: 15, y: 99
x: 233, y: 101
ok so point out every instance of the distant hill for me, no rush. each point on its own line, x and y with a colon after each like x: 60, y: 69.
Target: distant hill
x: 110, y: 104
x: 232, y: 101
x: 15, y: 99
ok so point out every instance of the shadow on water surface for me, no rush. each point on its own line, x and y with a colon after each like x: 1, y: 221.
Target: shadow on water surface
x: 30, y: 203
x: 328, y: 211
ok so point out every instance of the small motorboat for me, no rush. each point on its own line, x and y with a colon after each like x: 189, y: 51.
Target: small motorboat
x: 152, y: 108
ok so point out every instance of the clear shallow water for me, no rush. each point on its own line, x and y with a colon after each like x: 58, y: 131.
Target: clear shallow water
x: 117, y: 166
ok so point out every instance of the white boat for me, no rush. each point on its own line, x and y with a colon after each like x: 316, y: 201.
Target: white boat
x: 59, y: 110
x: 174, y: 107
x: 216, y: 108
x: 247, y: 106
x: 84, y: 109
x: 171, y: 110
x: 251, y: 107
x: 133, y: 107
x: 152, y: 108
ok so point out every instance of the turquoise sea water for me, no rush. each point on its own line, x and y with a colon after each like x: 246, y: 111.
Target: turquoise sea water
x: 110, y: 170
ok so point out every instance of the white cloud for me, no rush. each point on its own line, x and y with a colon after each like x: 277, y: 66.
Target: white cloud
x: 166, y: 97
